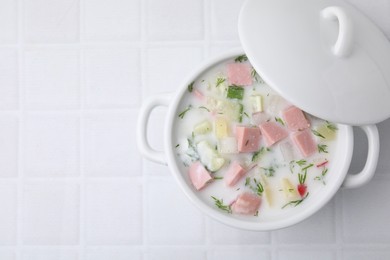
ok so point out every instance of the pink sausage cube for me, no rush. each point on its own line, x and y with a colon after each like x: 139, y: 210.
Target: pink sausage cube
x: 234, y: 174
x: 305, y: 142
x: 199, y: 175
x: 246, y: 204
x: 295, y: 119
x: 248, y: 139
x: 272, y: 132
x: 239, y: 74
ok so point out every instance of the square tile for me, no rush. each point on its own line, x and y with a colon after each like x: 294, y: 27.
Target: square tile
x: 306, y: 254
x: 163, y: 73
x: 8, y: 22
x: 366, y: 213
x: 50, y: 214
x: 117, y: 20
x: 52, y: 79
x: 49, y: 254
x: 110, y: 145
x: 171, y: 219
x: 8, y: 77
x: 224, y: 19
x: 51, y: 145
x: 221, y: 234
x: 176, y: 253
x: 113, y: 254
x: 113, y: 213
x: 366, y: 254
x: 112, y: 78
x: 319, y: 228
x: 239, y: 253
x: 9, y: 141
x: 8, y: 209
x: 7, y: 254
x: 175, y: 20
x: 47, y: 21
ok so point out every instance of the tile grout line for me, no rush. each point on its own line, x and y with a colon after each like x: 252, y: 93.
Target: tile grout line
x: 19, y: 216
x: 206, y: 53
x: 82, y: 94
x: 143, y: 68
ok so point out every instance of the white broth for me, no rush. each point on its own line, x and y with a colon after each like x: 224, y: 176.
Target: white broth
x: 208, y: 144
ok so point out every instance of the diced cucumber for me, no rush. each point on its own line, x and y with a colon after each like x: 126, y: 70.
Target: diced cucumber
x: 209, y: 157
x: 202, y: 128
x: 257, y: 103
x: 235, y: 92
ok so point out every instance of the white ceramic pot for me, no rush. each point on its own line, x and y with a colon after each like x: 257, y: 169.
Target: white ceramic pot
x: 338, y: 172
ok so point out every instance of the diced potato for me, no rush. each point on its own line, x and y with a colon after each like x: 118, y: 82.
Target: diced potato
x: 209, y: 157
x: 326, y: 132
x: 257, y: 103
x: 268, y: 195
x: 220, y: 127
x: 202, y: 128
x: 289, y: 190
x: 227, y: 145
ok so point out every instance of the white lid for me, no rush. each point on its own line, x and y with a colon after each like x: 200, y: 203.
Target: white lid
x: 323, y: 56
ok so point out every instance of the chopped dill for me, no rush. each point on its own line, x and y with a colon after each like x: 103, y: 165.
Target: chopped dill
x: 322, y: 148
x: 241, y: 58
x: 182, y: 114
x: 191, y: 86
x: 317, y: 134
x: 219, y: 204
x: 296, y: 202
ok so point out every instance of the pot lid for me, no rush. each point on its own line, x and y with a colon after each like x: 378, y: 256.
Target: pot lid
x: 323, y: 56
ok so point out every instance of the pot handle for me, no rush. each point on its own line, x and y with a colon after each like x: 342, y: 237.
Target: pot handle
x: 143, y: 118
x: 344, y: 43
x: 361, y: 178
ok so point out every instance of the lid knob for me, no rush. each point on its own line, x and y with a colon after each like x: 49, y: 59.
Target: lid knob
x: 344, y: 43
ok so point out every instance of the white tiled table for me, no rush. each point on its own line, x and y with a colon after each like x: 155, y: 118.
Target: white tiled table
x: 73, y: 74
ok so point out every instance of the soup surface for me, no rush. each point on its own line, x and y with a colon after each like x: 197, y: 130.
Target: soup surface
x: 247, y: 151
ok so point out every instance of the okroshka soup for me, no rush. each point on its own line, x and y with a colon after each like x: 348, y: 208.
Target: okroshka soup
x: 247, y: 153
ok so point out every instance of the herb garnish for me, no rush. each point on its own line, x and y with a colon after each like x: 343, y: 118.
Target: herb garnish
x: 301, y: 162
x: 279, y: 120
x: 218, y: 178
x: 181, y: 115
x: 322, y: 148
x: 220, y: 81
x: 177, y: 145
x: 247, y: 181
x: 331, y: 126
x: 241, y: 111
x: 317, y: 134
x: 257, y: 155
x: 296, y: 202
x: 269, y: 172
x: 241, y: 58
x: 191, y: 86
x: 205, y: 108
x: 322, y: 176
x: 221, y: 206
x: 307, y: 167
x: 256, y: 76
x: 259, y: 189
x: 192, y: 152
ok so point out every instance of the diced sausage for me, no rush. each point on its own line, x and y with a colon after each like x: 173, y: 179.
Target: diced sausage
x: 199, y: 176
x: 295, y: 119
x: 272, y: 132
x: 246, y: 204
x: 248, y: 139
x: 234, y: 174
x: 305, y: 142
x: 239, y: 74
